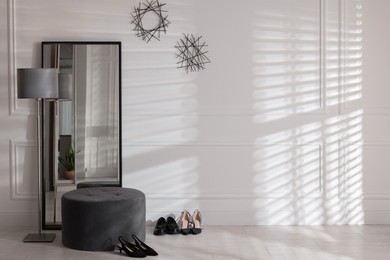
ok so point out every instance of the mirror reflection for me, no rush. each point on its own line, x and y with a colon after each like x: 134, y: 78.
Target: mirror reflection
x: 81, y: 129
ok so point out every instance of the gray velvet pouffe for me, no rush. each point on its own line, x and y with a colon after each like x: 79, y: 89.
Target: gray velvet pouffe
x: 93, y: 218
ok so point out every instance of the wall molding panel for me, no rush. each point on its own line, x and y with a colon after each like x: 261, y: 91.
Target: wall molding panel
x: 16, y: 107
x: 18, y: 219
x: 304, y: 173
x: 351, y: 62
x: 21, y: 188
x: 357, y: 159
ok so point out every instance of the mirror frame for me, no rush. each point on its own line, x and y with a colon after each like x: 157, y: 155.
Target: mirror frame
x: 46, y: 226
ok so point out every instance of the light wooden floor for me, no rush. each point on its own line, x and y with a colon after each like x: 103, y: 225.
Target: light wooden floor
x: 370, y: 242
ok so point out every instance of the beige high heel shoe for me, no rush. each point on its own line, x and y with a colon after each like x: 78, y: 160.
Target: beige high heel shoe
x: 196, y: 220
x: 186, y: 224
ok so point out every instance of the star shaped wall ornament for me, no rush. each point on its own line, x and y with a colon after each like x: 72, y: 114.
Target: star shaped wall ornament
x: 191, y: 53
x: 138, y: 14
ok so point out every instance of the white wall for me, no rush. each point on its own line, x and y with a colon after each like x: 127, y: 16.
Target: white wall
x: 289, y: 124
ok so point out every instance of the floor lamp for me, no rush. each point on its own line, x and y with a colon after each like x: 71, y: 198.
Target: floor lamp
x: 38, y: 84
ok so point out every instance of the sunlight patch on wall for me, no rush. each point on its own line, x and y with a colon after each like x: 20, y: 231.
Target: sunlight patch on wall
x: 287, y: 60
x: 309, y: 163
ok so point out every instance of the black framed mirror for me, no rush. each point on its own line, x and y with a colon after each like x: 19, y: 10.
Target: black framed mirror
x: 81, y: 131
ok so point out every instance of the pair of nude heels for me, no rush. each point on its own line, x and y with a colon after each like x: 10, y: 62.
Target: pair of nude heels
x: 191, y: 224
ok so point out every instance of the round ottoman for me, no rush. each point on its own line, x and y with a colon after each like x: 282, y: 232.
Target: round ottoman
x: 93, y: 218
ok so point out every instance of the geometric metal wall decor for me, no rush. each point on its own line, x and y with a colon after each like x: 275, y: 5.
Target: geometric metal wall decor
x: 138, y: 14
x: 191, y: 53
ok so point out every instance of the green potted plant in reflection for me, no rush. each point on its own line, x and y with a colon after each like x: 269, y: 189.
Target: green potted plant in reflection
x: 68, y: 162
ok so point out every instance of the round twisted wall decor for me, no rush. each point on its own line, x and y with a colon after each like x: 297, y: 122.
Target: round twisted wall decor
x: 150, y: 8
x: 191, y: 54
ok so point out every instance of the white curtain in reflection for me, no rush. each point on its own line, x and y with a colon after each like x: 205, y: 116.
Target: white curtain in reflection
x: 97, y: 141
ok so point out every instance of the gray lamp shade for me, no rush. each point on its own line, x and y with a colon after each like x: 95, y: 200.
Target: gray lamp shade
x: 37, y: 83
x: 65, y: 86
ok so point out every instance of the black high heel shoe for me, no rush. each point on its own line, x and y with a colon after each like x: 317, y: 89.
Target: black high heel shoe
x: 196, y: 219
x: 144, y: 247
x: 186, y: 224
x: 160, y: 227
x: 130, y: 249
x: 172, y: 228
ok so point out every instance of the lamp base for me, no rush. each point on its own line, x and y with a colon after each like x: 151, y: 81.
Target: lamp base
x: 44, y: 237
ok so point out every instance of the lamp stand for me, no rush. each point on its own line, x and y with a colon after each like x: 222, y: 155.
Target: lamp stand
x: 39, y: 237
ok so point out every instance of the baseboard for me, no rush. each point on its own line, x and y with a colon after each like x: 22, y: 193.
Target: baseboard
x: 285, y: 217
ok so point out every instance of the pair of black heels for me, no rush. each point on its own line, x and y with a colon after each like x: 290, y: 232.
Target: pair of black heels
x: 136, y: 248
x: 168, y: 226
